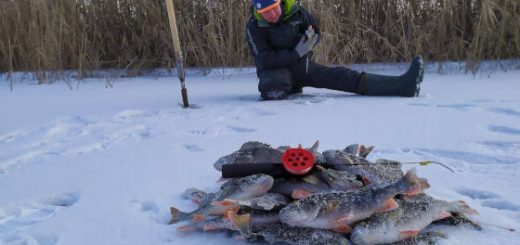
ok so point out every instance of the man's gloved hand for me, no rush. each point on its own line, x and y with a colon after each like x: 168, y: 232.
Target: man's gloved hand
x: 305, y: 45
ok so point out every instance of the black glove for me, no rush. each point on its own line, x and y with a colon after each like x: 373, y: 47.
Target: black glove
x: 305, y: 45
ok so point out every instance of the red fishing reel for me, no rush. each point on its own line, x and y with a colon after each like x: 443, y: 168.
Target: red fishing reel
x: 298, y: 161
x: 295, y: 161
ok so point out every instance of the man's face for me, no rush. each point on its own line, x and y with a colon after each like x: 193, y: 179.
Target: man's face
x: 272, y: 15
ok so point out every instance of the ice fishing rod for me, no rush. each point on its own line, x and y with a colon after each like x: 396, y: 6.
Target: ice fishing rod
x: 179, y: 60
x: 426, y: 163
x: 294, y: 162
x: 421, y: 163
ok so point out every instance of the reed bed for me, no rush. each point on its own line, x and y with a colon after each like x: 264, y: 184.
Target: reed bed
x: 48, y: 37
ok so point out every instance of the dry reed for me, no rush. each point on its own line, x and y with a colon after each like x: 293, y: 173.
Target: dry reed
x: 48, y: 37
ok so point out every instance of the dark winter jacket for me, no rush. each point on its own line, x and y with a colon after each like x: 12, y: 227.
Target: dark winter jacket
x: 272, y: 45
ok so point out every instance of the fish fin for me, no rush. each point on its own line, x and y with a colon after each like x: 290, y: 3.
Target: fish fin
x: 343, y: 228
x: 390, y: 163
x: 361, y: 150
x: 311, y: 179
x: 424, y: 183
x: 314, y: 148
x: 321, y: 168
x: 413, y: 183
x: 195, y: 195
x: 299, y: 194
x: 389, y: 205
x: 240, y: 222
x: 342, y: 220
x: 369, y: 150
x: 442, y: 215
x: 197, y: 199
x: 414, y: 191
x: 222, y: 179
x: 228, y: 211
x: 462, y: 207
x: 210, y: 227
x: 198, y: 218
x: 365, y: 151
x: 177, y: 216
x: 186, y: 228
x: 352, y: 149
x: 223, y: 203
x: 409, y: 233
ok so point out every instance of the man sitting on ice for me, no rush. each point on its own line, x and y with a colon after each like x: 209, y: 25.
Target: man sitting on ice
x: 281, y: 35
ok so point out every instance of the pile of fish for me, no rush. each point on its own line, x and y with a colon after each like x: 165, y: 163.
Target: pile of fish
x: 346, y: 199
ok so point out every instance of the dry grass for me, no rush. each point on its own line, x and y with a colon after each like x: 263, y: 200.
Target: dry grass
x: 48, y: 37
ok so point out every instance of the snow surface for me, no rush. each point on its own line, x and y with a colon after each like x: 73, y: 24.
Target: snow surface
x: 98, y: 165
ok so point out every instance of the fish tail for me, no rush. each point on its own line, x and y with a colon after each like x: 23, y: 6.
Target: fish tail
x: 424, y: 183
x: 461, y: 207
x: 194, y: 194
x: 224, y: 203
x: 412, y: 184
x: 364, y: 150
x: 241, y: 222
x: 178, y: 216
x: 217, y: 226
x: 300, y: 194
x: 186, y: 228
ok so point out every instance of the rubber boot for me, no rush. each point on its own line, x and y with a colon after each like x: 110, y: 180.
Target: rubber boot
x: 406, y: 85
x: 296, y: 90
x: 274, y: 95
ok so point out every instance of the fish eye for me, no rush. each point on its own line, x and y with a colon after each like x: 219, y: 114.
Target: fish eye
x: 308, y: 207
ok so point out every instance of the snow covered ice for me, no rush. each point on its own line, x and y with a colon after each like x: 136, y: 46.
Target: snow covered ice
x: 94, y: 165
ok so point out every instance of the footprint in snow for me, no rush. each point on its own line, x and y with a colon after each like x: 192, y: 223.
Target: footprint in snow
x: 501, y: 205
x: 501, y: 144
x: 241, y: 129
x: 505, y: 148
x: 454, y: 106
x: 36, y: 145
x: 483, y: 101
x: 197, y: 132
x: 152, y: 210
x: 308, y: 100
x: 67, y: 127
x: 37, y: 239
x: 15, y: 219
x: 419, y: 104
x: 489, y: 199
x: 463, y: 156
x: 130, y: 114
x: 261, y: 112
x: 477, y: 194
x: 504, y: 130
x: 72, y: 135
x: 459, y: 107
x: 505, y: 111
x: 131, y: 133
x: 12, y: 136
x: 194, y: 148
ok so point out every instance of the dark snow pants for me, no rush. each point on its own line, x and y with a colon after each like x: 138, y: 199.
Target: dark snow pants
x: 278, y: 83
